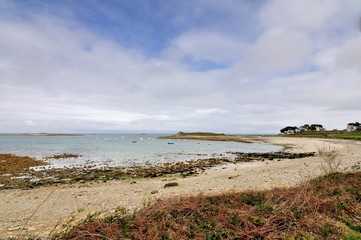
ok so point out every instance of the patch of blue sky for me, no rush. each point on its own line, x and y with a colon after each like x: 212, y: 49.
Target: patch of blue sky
x: 133, y: 24
x: 313, y: 68
x: 205, y: 65
x: 148, y: 26
x: 309, y: 68
x: 294, y: 71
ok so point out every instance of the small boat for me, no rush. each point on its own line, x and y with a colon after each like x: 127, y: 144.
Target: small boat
x: 170, y: 142
x: 134, y: 141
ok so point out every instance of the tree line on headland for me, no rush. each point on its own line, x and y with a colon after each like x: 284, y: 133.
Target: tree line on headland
x: 351, y: 127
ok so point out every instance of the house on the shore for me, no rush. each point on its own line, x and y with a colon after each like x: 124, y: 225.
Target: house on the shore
x: 352, y: 127
x: 317, y: 127
x: 290, y: 130
x: 304, y: 128
x: 312, y: 127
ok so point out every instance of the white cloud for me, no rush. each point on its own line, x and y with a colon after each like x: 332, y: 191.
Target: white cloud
x: 300, y: 14
x: 201, y: 45
x: 210, y: 111
x: 59, y: 75
x: 349, y: 56
x: 29, y: 122
x: 282, y: 51
x: 325, y: 59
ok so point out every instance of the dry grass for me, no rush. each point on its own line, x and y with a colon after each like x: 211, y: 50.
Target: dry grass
x: 326, y: 208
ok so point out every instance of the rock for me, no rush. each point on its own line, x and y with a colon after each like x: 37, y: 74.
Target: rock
x: 245, y: 157
x: 171, y: 184
x: 134, y: 182
x: 154, y: 192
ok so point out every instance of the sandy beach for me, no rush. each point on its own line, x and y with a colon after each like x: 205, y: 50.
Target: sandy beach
x: 43, y: 211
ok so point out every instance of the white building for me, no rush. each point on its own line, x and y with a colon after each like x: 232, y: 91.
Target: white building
x: 351, y: 127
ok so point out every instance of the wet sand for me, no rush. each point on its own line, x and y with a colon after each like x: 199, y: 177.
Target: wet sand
x: 42, y: 211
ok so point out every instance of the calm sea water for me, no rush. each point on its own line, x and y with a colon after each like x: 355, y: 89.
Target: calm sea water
x: 121, y: 150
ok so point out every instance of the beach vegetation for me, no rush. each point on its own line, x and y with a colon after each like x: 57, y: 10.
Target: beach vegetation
x: 80, y: 210
x: 335, y: 134
x: 331, y: 159
x: 328, y: 207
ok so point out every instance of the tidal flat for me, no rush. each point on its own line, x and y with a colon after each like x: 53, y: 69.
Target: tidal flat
x: 26, y: 172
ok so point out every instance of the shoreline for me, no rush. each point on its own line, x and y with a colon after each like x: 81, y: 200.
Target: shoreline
x: 49, y: 207
x: 45, y: 174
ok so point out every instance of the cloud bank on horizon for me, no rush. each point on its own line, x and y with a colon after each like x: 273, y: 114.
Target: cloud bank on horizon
x: 166, y: 66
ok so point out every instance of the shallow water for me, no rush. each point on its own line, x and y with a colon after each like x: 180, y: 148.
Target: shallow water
x: 122, y: 150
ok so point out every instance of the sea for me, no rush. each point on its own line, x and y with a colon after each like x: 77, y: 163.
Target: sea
x: 125, y: 150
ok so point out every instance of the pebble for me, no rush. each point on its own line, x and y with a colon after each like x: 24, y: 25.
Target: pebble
x: 13, y: 229
x: 154, y: 192
x: 32, y: 229
x: 171, y: 184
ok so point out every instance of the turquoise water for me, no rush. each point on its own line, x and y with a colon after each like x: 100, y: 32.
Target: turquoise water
x: 121, y: 150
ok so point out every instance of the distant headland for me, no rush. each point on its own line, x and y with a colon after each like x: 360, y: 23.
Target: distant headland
x: 208, y: 136
x: 41, y: 134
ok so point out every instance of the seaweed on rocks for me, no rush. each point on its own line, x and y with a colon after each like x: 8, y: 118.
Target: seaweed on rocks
x: 63, y: 156
x: 246, y: 157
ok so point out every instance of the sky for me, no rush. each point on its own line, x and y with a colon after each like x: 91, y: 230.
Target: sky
x: 155, y: 66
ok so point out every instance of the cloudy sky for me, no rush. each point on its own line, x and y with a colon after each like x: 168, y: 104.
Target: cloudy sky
x: 232, y: 66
